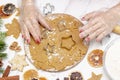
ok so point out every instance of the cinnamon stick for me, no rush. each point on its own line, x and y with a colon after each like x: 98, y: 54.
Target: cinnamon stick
x: 7, y: 71
x: 10, y: 78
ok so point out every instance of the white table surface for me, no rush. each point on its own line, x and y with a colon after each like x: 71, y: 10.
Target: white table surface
x: 78, y: 8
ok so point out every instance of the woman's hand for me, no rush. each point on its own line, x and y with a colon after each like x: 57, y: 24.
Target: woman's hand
x: 99, y: 25
x: 29, y: 21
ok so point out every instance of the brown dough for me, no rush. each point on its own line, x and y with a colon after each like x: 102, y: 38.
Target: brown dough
x: 60, y: 47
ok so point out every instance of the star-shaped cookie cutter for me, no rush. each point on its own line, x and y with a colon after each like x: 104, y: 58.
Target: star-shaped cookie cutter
x: 48, y: 9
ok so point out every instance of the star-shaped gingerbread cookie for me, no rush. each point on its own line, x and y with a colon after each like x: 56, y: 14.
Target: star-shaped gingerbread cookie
x: 18, y: 62
x: 95, y: 77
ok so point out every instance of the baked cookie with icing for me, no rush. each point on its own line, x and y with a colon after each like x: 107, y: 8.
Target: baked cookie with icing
x: 95, y: 58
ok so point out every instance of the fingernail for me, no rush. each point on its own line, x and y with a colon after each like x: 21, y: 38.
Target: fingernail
x: 83, y: 18
x: 22, y: 36
x: 97, y: 40
x: 87, y: 39
x: 81, y: 31
x: 28, y: 41
x: 49, y: 28
x: 38, y: 41
x: 81, y: 36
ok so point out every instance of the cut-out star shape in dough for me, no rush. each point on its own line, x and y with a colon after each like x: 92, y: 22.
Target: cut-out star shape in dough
x: 18, y: 62
x: 95, y: 77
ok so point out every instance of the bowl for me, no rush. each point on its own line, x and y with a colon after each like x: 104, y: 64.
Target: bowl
x: 111, y: 59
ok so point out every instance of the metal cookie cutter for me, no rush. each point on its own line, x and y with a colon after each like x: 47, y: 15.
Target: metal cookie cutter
x: 48, y: 8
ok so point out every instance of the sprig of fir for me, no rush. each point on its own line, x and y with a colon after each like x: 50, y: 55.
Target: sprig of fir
x: 1, y: 70
x: 2, y: 45
x: 3, y: 55
x: 2, y: 42
x: 2, y: 36
x: 1, y: 22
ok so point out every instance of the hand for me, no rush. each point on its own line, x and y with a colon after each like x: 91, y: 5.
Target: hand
x: 99, y: 25
x: 29, y: 21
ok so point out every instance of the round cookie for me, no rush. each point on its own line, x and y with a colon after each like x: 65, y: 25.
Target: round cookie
x: 95, y: 58
x: 60, y: 48
x: 76, y: 76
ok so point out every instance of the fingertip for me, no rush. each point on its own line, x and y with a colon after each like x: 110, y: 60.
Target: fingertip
x: 83, y: 19
x: 80, y: 35
x: 98, y: 40
x: 48, y: 27
x: 28, y: 41
x: 37, y: 41
x: 87, y: 39
x: 80, y: 30
x: 23, y: 36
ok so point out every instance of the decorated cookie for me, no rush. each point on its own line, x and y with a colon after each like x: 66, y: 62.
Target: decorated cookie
x: 95, y: 58
x: 59, y: 48
x: 18, y: 62
x: 14, y: 46
x: 13, y: 28
x: 76, y: 76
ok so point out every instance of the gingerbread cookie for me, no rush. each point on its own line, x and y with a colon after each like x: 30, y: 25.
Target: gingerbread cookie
x: 14, y: 46
x: 18, y: 62
x: 95, y: 58
x: 95, y: 77
x: 61, y: 47
x: 13, y: 28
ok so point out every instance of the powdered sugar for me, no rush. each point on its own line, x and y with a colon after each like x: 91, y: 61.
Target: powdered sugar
x: 112, y: 60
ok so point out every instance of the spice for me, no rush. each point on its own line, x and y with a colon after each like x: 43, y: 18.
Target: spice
x: 7, y: 71
x: 10, y: 78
